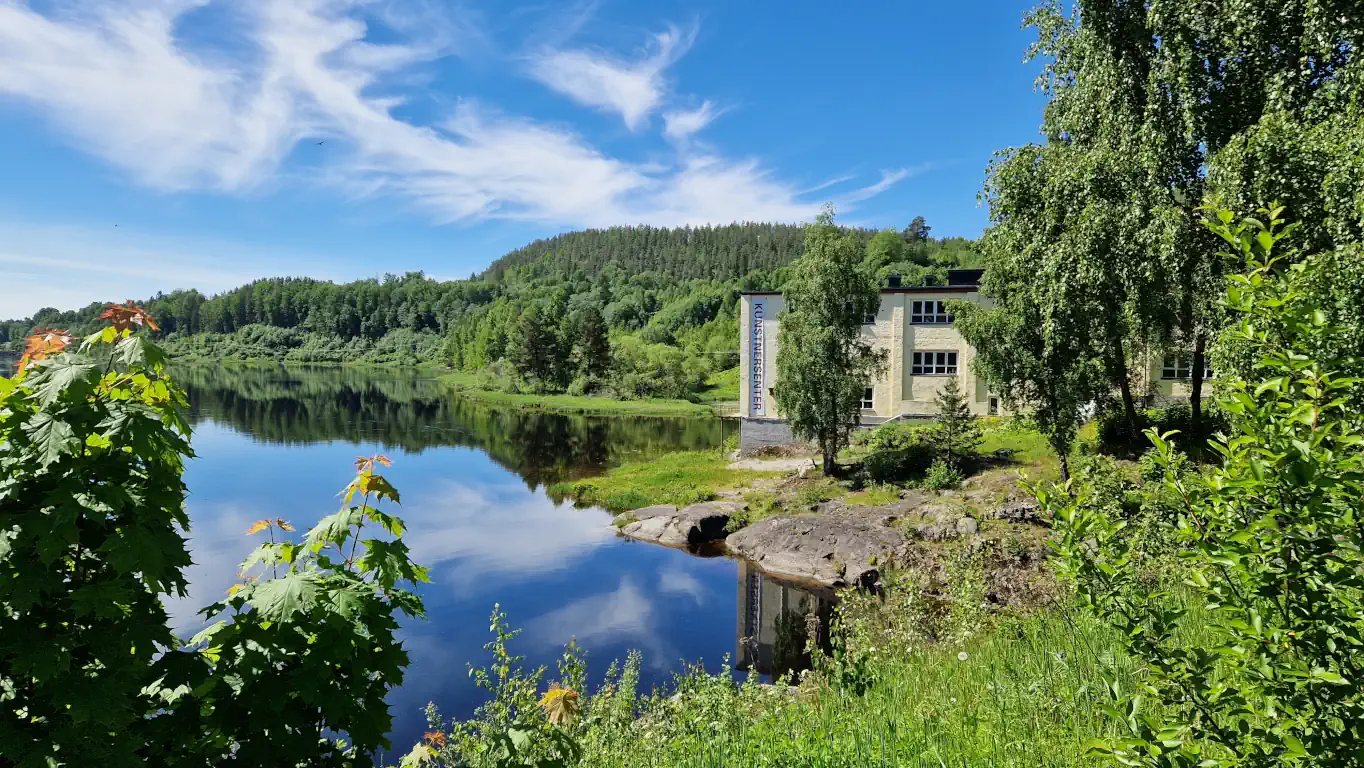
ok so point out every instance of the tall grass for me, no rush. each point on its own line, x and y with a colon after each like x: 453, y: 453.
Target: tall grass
x: 1028, y: 693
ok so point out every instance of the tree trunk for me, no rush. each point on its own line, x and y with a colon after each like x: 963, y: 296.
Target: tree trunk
x: 1117, y: 364
x: 1196, y: 383
x: 830, y: 456
x: 1064, y: 464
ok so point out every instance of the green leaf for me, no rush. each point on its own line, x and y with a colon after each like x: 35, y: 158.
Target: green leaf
x: 52, y: 437
x: 279, y: 599
x: 58, y: 375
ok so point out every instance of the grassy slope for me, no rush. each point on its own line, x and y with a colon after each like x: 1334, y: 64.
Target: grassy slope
x: 676, y: 478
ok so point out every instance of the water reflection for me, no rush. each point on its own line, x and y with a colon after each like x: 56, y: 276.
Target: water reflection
x: 272, y: 442
x: 775, y: 622
x: 413, y: 411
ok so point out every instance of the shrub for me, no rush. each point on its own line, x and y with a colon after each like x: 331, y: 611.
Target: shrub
x: 1272, y: 545
x: 941, y: 476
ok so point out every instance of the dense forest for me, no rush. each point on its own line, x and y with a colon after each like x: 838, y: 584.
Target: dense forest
x: 639, y: 311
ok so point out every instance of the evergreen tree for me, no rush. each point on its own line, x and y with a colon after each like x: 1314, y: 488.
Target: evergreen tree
x: 823, y: 362
x: 533, y: 347
x: 592, y: 354
x: 957, y: 431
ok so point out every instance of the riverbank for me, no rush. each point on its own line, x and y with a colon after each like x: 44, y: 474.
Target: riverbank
x: 474, y: 387
x: 969, y: 653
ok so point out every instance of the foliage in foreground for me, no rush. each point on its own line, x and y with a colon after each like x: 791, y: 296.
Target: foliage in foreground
x: 917, y: 678
x: 92, y: 516
x: 1271, y: 543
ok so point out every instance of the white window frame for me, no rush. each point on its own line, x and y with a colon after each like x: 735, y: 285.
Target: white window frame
x: 869, y: 319
x: 929, y: 312
x: 937, y: 362
x: 1178, y: 366
x: 868, y: 398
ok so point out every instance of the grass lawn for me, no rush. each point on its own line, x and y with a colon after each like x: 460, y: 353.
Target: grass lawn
x: 676, y: 478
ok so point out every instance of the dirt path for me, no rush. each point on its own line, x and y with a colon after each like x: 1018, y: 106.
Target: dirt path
x: 773, y: 465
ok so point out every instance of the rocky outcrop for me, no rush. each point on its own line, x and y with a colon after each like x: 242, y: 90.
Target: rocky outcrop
x: 1022, y: 512
x: 835, y: 552
x: 691, y: 526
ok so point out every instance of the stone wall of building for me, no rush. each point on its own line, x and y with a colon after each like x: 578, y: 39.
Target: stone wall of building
x: 760, y: 433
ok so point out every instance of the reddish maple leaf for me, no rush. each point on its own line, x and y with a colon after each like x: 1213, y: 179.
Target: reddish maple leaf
x: 126, y: 315
x: 42, y: 343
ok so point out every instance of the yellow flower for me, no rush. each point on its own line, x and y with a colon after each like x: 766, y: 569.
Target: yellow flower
x: 561, y: 705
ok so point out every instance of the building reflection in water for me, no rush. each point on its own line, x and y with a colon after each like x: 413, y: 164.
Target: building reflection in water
x: 775, y: 621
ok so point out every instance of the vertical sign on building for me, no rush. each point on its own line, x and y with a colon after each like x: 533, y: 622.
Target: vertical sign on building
x: 757, y: 357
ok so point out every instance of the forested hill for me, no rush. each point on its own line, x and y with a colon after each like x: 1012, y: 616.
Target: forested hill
x: 682, y: 253
x: 687, y: 253
x: 643, y: 310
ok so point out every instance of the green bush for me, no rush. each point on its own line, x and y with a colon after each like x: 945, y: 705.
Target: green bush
x: 1271, y: 544
x: 941, y: 476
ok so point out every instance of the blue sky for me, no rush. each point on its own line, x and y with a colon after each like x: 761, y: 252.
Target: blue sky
x: 157, y: 144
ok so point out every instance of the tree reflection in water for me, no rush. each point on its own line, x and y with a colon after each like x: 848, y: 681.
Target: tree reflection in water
x: 413, y: 411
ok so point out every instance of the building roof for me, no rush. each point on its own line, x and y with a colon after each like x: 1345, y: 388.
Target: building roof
x: 958, y: 281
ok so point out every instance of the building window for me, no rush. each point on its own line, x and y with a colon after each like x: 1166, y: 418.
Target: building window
x: 1179, y: 365
x: 869, y: 319
x: 934, y: 364
x: 929, y: 312
x: 867, y: 395
x: 994, y: 406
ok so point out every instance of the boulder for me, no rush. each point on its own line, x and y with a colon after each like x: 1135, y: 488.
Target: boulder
x: 691, y: 526
x: 967, y: 526
x: 1024, y: 512
x: 835, y: 552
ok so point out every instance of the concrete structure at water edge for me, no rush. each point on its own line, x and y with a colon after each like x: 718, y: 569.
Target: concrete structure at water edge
x: 924, y: 350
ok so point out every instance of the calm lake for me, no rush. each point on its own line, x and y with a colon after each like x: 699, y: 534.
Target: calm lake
x: 273, y: 442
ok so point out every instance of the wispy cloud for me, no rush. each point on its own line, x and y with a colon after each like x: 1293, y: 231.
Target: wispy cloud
x: 120, y: 80
x: 888, y: 180
x: 680, y: 125
x: 631, y: 88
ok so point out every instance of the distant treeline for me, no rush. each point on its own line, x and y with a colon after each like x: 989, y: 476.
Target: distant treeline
x: 642, y: 311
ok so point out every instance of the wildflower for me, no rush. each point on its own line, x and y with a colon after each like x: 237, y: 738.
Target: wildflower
x: 963, y: 656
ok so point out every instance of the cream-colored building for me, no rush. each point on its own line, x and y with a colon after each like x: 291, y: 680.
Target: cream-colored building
x: 924, y: 351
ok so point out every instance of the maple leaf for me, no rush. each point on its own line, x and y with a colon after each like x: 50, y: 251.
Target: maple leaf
x: 257, y: 527
x: 279, y: 599
x: 42, y: 343
x: 561, y: 705
x: 126, y: 315
x: 435, y: 738
x: 366, y: 463
x: 283, y: 524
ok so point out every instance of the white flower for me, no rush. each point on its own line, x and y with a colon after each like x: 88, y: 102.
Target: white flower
x: 962, y: 656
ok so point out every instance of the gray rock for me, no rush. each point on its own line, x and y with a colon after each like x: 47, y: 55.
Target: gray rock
x: 1025, y: 512
x: 688, y: 527
x: 935, y: 531
x: 804, y: 472
x: 835, y: 552
x: 967, y: 526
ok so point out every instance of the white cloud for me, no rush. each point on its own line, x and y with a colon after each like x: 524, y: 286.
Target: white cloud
x: 632, y: 89
x: 680, y: 125
x: 888, y: 180
x: 120, y: 80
